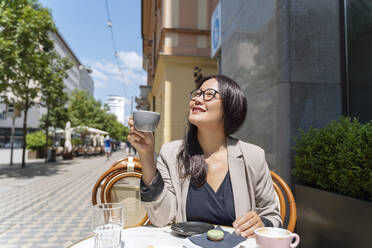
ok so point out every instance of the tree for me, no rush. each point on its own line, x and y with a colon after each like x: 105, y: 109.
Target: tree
x: 84, y: 110
x: 54, y: 98
x: 119, y: 132
x: 58, y: 116
x: 25, y: 48
x: 116, y: 129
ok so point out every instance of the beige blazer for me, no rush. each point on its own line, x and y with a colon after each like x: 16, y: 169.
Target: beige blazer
x: 250, y: 178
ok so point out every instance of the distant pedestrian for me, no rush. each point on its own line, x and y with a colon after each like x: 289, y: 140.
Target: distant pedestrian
x: 108, y: 145
x: 128, y: 147
x: 122, y: 146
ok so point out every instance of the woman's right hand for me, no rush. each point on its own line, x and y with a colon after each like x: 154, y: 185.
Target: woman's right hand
x: 142, y: 141
x: 144, y: 144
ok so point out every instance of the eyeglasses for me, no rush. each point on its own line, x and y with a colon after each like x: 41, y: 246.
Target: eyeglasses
x: 208, y: 94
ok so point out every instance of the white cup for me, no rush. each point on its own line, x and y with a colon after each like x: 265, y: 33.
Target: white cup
x: 145, y: 121
x: 273, y: 237
x: 107, y: 223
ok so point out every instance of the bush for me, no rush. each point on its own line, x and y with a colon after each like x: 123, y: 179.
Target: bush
x: 76, y: 142
x: 336, y: 158
x: 35, y: 141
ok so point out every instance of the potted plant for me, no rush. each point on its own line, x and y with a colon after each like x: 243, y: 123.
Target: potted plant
x: 333, y: 168
x: 35, y: 143
x: 76, y: 142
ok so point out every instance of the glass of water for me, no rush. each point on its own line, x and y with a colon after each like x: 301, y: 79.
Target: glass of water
x: 108, y: 220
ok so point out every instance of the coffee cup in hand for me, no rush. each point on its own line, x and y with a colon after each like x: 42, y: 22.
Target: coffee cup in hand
x: 273, y: 237
x: 145, y: 121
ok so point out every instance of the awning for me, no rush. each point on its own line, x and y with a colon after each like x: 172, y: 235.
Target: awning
x: 89, y: 130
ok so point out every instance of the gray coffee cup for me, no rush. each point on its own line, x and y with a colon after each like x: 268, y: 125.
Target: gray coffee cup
x: 145, y: 121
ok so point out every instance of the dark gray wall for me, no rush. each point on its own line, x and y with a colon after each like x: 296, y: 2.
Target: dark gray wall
x: 286, y: 56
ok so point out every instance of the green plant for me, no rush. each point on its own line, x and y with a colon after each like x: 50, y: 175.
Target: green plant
x: 76, y: 142
x: 336, y: 158
x: 35, y: 140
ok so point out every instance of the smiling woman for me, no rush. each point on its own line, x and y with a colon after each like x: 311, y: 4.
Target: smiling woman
x: 205, y: 107
x: 204, y: 177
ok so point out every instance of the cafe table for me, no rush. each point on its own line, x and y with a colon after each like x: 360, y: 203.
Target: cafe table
x: 155, y: 237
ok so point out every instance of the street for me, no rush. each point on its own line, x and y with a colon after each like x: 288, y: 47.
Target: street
x: 48, y: 205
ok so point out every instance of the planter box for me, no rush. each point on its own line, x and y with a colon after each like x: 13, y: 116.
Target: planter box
x: 40, y: 153
x: 35, y: 154
x: 326, y: 219
x: 67, y: 156
x: 32, y: 154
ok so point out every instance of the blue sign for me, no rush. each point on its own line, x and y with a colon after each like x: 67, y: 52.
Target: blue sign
x: 216, y: 30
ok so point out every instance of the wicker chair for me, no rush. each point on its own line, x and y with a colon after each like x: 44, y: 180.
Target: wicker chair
x: 284, y: 193
x: 121, y: 183
x: 125, y: 160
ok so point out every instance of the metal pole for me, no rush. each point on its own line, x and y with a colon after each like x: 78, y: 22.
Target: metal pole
x: 12, y: 139
x: 46, y: 137
x: 346, y: 58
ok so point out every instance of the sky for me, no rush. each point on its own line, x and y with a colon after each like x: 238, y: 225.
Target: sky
x: 83, y: 25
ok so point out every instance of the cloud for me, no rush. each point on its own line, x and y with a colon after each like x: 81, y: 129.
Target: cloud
x: 130, y: 77
x: 99, y: 84
x: 131, y: 60
x: 98, y: 74
x: 107, y: 71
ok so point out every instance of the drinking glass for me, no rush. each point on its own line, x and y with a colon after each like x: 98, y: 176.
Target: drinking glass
x: 107, y: 222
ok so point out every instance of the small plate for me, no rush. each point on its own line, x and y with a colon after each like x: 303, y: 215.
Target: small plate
x: 191, y: 228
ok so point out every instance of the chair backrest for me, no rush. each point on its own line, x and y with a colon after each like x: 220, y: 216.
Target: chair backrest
x: 121, y: 183
x: 100, y: 182
x: 114, y: 171
x: 284, y: 194
x: 125, y: 160
x: 125, y: 188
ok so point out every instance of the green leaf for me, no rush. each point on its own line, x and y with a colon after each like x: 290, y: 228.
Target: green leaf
x: 337, y: 157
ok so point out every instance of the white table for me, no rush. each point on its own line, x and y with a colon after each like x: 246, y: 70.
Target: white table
x: 154, y: 237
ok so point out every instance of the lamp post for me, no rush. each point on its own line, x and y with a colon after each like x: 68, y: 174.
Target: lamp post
x: 11, y: 113
x: 14, y: 113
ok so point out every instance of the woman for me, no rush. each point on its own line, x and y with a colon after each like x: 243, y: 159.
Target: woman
x: 208, y: 176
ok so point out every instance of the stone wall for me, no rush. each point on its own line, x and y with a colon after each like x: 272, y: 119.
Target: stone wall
x: 286, y: 56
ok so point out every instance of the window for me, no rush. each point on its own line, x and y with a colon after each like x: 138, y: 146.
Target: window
x: 357, y: 30
x: 3, y: 115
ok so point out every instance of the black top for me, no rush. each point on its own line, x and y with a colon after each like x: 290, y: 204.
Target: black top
x: 203, y: 204
x: 150, y: 193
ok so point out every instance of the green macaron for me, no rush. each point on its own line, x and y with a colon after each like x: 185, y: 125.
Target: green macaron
x: 215, y: 235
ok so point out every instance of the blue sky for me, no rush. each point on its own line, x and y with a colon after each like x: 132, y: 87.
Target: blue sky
x: 83, y: 24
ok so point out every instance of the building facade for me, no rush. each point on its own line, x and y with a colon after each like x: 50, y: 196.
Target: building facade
x: 78, y: 75
x: 78, y: 78
x: 117, y: 107
x: 176, y: 38
x: 301, y: 64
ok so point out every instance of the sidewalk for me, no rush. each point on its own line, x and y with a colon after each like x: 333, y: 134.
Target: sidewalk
x: 48, y: 205
x: 17, y: 157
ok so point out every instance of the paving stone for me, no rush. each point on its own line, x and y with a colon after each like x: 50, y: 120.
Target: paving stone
x: 48, y: 205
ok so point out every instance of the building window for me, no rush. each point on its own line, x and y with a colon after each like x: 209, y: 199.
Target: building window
x: 357, y: 79
x: 3, y: 115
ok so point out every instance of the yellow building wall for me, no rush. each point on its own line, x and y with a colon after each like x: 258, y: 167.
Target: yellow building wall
x: 174, y: 79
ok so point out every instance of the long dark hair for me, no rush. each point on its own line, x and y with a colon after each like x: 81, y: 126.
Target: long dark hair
x: 191, y: 157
